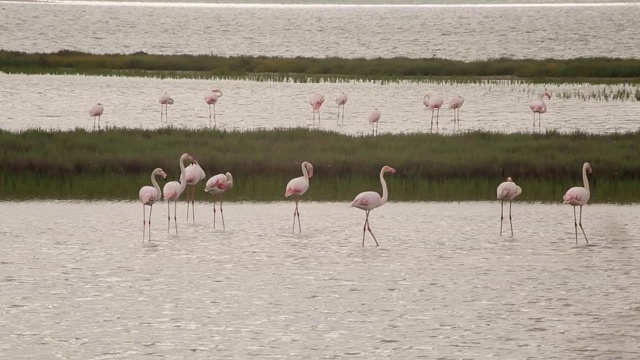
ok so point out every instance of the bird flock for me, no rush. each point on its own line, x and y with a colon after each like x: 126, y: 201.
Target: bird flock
x: 297, y: 187
x: 431, y: 100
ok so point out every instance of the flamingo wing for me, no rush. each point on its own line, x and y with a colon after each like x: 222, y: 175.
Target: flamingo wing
x: 536, y: 106
x: 576, y: 196
x: 506, y: 190
x: 367, y: 200
x: 171, y: 190
x: 216, y: 184
x: 96, y: 110
x: 148, y: 195
x: 194, y: 174
x: 297, y: 186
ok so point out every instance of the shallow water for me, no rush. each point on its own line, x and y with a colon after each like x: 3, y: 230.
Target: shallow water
x: 63, y: 102
x: 464, y: 30
x: 77, y: 282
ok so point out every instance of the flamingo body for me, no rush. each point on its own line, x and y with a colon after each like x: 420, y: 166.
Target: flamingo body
x: 456, y: 102
x: 211, y: 99
x: 193, y: 175
x: 507, y: 191
x: 316, y: 100
x: 433, y: 102
x: 173, y: 189
x: 341, y: 100
x: 165, y: 100
x: 216, y: 186
x: 149, y: 195
x: 539, y: 106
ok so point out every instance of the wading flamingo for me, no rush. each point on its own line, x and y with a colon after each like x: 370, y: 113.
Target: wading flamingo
x: 456, y: 103
x: 579, y: 196
x: 341, y: 100
x: 211, y: 99
x: 95, y: 112
x: 316, y: 100
x: 370, y: 200
x: 193, y: 175
x: 216, y: 186
x: 538, y: 106
x: 172, y: 191
x: 297, y: 187
x: 149, y: 195
x: 374, y: 120
x: 433, y: 102
x: 165, y: 100
x: 507, y: 191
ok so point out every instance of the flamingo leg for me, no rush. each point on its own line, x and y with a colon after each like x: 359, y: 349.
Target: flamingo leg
x: 222, y: 213
x: 431, y: 119
x: 338, y: 120
x: 343, y: 114
x: 98, y: 122
x: 175, y: 214
x: 575, y: 222
x: 510, y: 223
x: 161, y: 109
x: 501, y: 215
x: 150, y: 210
x: 144, y: 221
x: 437, y: 117
x: 168, y: 215
x: 188, y: 186
x: 370, y: 232
x: 193, y: 204
x: 214, y: 212
x: 209, y: 115
x: 214, y: 115
x: 364, y: 228
x: 94, y: 123
x: 581, y: 228
x: 295, y: 211
x: 534, y: 121
x: 298, y: 211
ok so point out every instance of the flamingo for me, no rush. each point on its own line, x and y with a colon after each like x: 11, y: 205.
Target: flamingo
x: 96, y: 111
x: 374, y: 118
x: 579, y: 196
x: 216, y: 186
x: 297, y: 187
x: 193, y: 175
x: 316, y: 101
x: 507, y: 191
x: 370, y: 200
x: 172, y: 191
x: 149, y: 195
x: 433, y: 102
x: 538, y: 106
x: 211, y: 99
x: 165, y: 100
x: 341, y: 100
x: 456, y: 103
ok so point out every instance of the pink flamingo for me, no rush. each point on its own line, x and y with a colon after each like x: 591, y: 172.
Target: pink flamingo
x: 579, y: 196
x: 216, y: 186
x: 433, y: 102
x: 149, y: 195
x: 316, y: 101
x: 193, y: 175
x: 507, y: 191
x: 374, y: 118
x: 297, y: 187
x: 172, y: 191
x: 165, y: 100
x: 538, y: 106
x: 341, y: 100
x: 96, y: 111
x: 456, y: 103
x: 370, y: 200
x: 212, y: 99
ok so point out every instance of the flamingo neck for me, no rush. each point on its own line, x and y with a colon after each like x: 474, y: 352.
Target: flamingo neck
x: 229, y: 180
x: 385, y: 193
x: 585, y: 180
x: 155, y: 185
x: 183, y: 176
x: 305, y: 173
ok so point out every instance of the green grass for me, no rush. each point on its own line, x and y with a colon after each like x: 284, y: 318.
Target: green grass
x: 114, y: 164
x: 302, y: 69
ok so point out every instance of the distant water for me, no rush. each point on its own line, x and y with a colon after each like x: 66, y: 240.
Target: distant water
x: 465, y: 30
x: 63, y: 102
x: 78, y: 283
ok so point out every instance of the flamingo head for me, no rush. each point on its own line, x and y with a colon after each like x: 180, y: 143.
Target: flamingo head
x: 195, y: 162
x: 160, y: 172
x: 388, y: 169
x: 309, y: 168
x: 509, y: 179
x: 588, y: 167
x: 547, y: 93
x: 186, y: 156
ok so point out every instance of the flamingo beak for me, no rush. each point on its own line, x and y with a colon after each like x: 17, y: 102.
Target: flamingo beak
x: 392, y: 170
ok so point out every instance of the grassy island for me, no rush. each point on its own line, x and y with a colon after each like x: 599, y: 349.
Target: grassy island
x: 115, y: 163
x: 304, y: 69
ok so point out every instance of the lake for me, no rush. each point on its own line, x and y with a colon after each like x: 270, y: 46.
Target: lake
x: 63, y: 102
x: 78, y: 282
x: 464, y: 30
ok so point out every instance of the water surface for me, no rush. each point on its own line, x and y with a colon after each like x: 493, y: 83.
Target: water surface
x: 77, y: 282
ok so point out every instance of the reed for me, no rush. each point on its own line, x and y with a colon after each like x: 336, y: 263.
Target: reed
x: 303, y: 69
x: 114, y: 164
